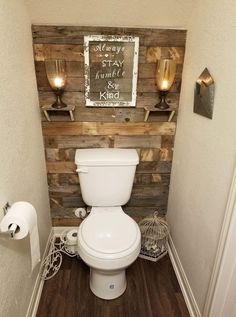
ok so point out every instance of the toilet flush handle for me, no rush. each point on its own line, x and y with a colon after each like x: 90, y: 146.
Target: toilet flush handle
x: 82, y: 170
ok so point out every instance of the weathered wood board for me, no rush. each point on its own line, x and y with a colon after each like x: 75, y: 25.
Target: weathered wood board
x: 108, y: 127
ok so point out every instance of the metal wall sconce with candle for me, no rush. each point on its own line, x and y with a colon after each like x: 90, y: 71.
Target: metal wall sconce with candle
x: 56, y: 74
x: 165, y: 75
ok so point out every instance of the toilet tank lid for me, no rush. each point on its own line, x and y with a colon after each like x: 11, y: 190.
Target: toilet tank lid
x: 96, y: 157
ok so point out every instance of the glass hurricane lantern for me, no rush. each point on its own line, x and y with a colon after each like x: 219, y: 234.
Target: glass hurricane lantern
x: 56, y: 74
x: 165, y: 75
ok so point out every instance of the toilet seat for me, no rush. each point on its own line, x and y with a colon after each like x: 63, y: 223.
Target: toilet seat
x: 108, y: 233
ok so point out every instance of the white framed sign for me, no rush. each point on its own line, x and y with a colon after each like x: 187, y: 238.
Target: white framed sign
x: 111, y: 70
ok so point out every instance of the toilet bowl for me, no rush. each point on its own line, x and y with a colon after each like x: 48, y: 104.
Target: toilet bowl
x: 108, y: 239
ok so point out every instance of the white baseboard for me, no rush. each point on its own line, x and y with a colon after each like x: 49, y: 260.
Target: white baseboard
x: 38, y: 287
x: 183, y: 281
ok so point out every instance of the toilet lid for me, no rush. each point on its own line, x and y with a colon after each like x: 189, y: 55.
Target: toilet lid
x: 109, y: 232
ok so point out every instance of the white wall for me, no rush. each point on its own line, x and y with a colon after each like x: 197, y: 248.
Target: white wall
x: 22, y: 167
x: 205, y: 150
x: 168, y: 13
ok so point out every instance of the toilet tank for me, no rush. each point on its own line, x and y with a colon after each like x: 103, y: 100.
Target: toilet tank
x: 106, y: 175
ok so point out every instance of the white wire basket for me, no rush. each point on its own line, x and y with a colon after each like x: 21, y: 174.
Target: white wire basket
x: 154, y: 232
x: 53, y: 260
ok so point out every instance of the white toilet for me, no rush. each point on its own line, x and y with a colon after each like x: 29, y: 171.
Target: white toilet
x: 108, y: 239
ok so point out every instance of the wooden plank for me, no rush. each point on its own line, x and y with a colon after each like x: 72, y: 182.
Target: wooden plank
x: 163, y: 179
x: 52, y: 51
x: 65, y: 190
x: 63, y: 179
x: 64, y: 222
x: 62, y: 212
x: 147, y: 70
x: 73, y: 201
x: 139, y: 191
x: 74, y: 34
x: 73, y: 69
x: 162, y: 167
x: 167, y: 141
x: 53, y: 154
x: 142, y: 141
x: 73, y: 179
x: 128, y: 115
x: 74, y: 98
x: 70, y: 197
x: 61, y: 167
x: 150, y: 201
x: 55, y: 202
x: 156, y: 53
x: 69, y: 34
x: 149, y: 155
x: 144, y: 211
x: 99, y: 128
x: 166, y: 154
x: 66, y: 129
x: 74, y: 141
x: 87, y: 114
x: 150, y: 190
x: 146, y: 154
x: 142, y: 54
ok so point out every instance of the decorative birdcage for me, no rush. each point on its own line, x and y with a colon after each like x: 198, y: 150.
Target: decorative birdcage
x: 154, y: 232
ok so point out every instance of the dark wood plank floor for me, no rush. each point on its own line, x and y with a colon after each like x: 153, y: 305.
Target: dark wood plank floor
x: 152, y: 291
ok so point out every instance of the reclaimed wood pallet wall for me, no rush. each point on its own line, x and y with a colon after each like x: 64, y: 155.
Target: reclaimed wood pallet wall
x: 108, y: 127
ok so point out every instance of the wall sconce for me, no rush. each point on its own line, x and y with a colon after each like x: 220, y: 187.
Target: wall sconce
x: 204, y: 95
x: 56, y: 74
x: 165, y: 75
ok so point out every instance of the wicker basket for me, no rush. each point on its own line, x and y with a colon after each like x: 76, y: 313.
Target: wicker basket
x: 154, y: 231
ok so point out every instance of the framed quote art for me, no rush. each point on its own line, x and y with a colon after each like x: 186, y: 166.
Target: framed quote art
x: 111, y: 70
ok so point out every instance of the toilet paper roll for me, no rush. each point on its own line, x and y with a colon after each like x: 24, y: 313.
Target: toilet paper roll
x: 23, y: 214
x: 71, y: 237
x: 71, y: 241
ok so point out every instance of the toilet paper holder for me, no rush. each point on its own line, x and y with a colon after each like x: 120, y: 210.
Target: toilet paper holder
x: 10, y: 233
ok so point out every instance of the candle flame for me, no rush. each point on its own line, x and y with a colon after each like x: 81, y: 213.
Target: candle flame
x: 58, y: 82
x: 164, y: 85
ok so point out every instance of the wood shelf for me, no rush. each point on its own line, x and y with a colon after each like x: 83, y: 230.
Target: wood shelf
x: 149, y: 109
x: 47, y: 108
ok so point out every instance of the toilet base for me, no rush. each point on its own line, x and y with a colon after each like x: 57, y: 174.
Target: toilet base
x: 107, y: 284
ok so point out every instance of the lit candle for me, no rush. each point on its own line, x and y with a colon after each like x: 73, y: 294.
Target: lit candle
x: 164, y: 84
x: 58, y: 82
